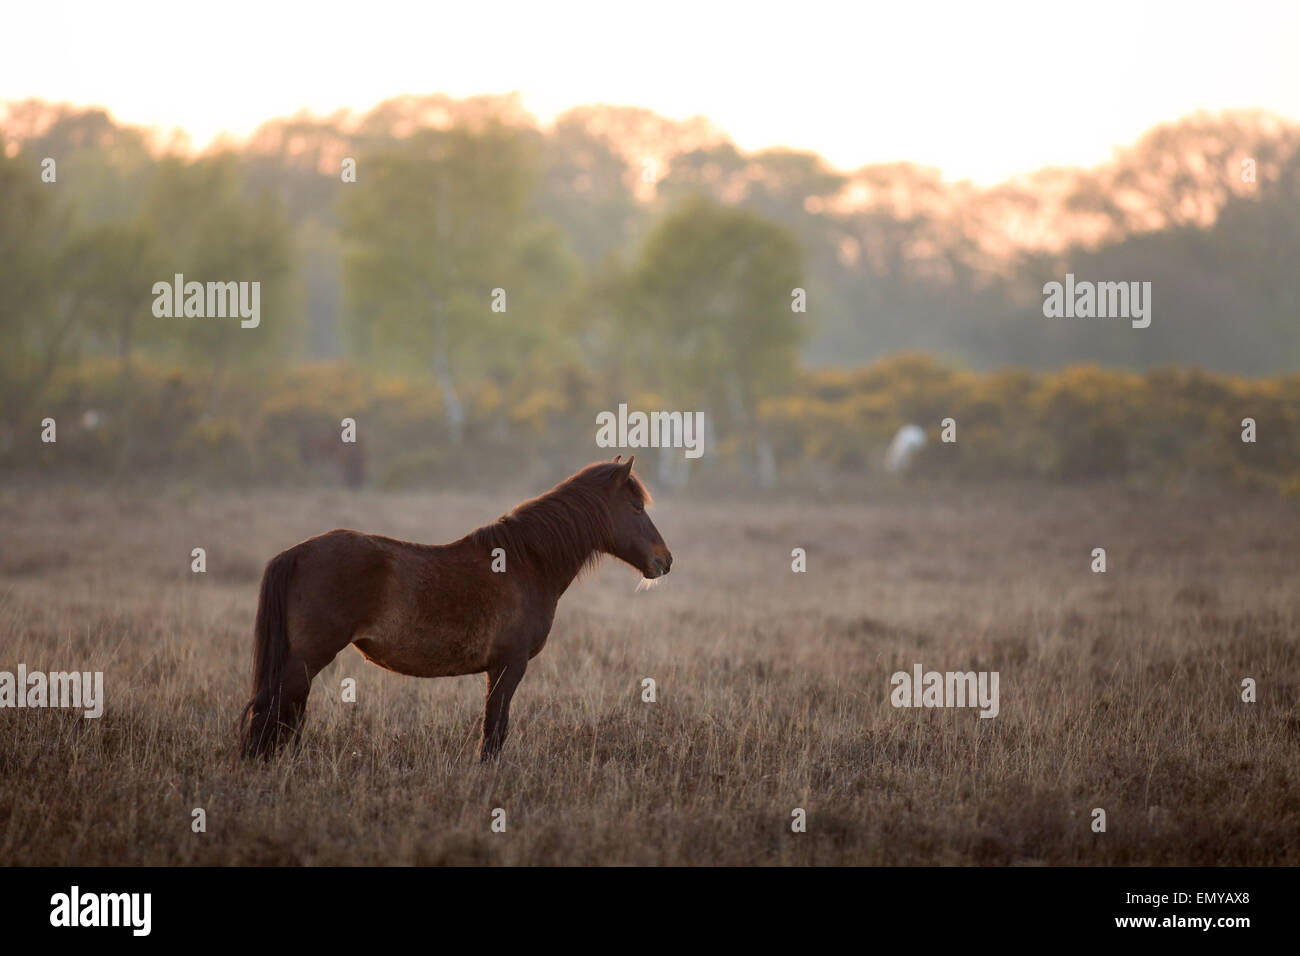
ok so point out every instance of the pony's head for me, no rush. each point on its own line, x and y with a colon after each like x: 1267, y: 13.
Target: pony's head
x: 636, y: 540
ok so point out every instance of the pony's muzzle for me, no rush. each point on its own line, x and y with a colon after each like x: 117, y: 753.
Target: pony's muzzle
x: 661, y: 564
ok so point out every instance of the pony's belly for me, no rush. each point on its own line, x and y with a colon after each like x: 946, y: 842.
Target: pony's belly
x: 422, y: 658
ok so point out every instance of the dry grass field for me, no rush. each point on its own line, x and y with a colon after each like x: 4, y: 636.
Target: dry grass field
x: 1118, y: 690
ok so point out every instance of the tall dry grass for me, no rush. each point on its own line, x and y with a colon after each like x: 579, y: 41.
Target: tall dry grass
x: 1118, y: 691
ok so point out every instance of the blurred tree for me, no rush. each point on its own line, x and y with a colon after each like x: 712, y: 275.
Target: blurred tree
x: 209, y: 231
x: 103, y: 168
x: 585, y: 189
x: 301, y: 161
x: 112, y: 268
x: 708, y: 305
x: 437, y: 224
x: 39, y: 318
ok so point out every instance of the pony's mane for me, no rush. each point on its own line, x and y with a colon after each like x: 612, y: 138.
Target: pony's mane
x: 565, y: 530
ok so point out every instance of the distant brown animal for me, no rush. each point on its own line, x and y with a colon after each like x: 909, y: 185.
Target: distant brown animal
x: 439, y: 610
x: 317, y: 445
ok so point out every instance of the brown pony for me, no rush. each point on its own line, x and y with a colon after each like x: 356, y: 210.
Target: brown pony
x: 483, y: 604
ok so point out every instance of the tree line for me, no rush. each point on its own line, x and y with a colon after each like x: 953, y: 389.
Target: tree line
x: 510, y: 274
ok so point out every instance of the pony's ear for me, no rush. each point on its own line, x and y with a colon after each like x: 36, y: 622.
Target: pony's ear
x: 616, y: 458
x: 626, y: 469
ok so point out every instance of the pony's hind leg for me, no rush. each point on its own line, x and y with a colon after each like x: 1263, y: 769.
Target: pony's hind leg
x: 293, y: 699
x: 306, y: 660
x: 275, y: 713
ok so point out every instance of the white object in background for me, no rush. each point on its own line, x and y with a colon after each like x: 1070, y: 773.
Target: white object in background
x: 909, y: 440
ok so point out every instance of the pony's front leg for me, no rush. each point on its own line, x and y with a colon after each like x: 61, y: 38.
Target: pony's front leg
x: 502, y: 681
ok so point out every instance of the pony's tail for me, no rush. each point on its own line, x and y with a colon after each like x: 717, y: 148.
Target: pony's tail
x: 261, y: 718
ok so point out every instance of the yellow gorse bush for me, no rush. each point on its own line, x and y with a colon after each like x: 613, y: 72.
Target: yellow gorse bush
x: 1081, y: 422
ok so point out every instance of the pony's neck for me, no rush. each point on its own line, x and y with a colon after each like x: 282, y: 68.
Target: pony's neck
x: 556, y: 535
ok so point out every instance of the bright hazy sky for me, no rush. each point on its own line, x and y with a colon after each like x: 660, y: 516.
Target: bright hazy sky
x: 982, y: 90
